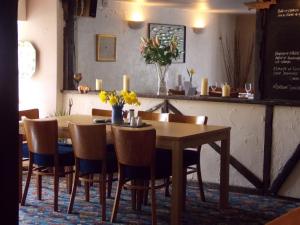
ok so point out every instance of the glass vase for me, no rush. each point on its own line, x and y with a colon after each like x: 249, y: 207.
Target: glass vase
x: 117, y: 114
x: 162, y: 73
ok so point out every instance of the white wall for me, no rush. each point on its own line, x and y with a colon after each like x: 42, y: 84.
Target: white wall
x: 203, y: 50
x: 43, y: 27
x: 247, y: 135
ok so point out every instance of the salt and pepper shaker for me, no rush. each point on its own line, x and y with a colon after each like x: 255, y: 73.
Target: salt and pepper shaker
x: 139, y: 121
x: 131, y: 114
x: 133, y: 122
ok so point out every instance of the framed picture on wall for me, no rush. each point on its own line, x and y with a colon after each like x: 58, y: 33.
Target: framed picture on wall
x: 166, y: 32
x: 106, y: 48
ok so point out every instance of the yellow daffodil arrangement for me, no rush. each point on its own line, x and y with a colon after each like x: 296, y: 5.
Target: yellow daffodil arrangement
x: 119, y: 98
x: 191, y: 73
x: 117, y: 101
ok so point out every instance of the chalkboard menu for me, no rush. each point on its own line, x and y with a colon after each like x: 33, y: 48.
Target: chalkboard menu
x: 281, y: 62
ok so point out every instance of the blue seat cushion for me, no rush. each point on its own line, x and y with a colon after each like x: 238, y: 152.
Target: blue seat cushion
x: 163, y: 167
x: 65, y: 157
x: 95, y: 166
x: 190, y: 157
x: 25, y: 151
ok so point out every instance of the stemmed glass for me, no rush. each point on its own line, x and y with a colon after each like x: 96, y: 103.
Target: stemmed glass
x: 77, y: 78
x: 248, y: 88
x: 214, y: 86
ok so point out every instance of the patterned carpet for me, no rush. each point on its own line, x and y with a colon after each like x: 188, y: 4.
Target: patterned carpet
x: 244, y: 209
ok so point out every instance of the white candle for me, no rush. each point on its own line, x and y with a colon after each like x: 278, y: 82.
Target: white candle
x: 125, y: 83
x: 99, y: 85
x: 225, y: 90
x: 204, y: 86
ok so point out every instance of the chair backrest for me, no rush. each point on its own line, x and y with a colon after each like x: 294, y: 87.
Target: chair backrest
x: 41, y: 135
x: 89, y: 141
x: 29, y: 113
x: 101, y: 112
x: 135, y: 147
x: 188, y: 119
x: 163, y: 117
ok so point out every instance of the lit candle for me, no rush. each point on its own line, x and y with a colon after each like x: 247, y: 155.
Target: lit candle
x: 99, y: 84
x: 204, y: 86
x: 125, y: 83
x: 225, y: 90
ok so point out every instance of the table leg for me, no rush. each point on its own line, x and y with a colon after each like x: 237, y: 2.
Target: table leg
x: 224, y: 173
x: 20, y: 167
x: 177, y: 188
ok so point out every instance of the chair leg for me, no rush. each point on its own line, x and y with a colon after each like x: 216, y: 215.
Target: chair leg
x: 117, y: 197
x: 153, y: 201
x: 139, y: 196
x: 167, y: 190
x: 27, y: 183
x: 102, y: 192
x: 184, y: 181
x: 200, y: 183
x: 87, y: 190
x: 74, y: 188
x: 109, y: 184
x: 39, y: 186
x: 133, y: 196
x: 146, y: 192
x: 56, y: 187
x: 69, y: 179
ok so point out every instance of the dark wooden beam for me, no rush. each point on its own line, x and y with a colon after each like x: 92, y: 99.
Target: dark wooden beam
x: 154, y: 108
x: 174, y: 109
x: 251, y: 177
x: 268, y: 147
x: 9, y: 112
x: 69, y: 8
x: 286, y: 171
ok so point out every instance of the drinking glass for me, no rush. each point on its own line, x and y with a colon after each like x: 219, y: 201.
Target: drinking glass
x: 214, y: 86
x: 248, y: 88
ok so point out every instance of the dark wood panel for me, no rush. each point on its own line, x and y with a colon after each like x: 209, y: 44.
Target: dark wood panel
x: 9, y: 112
x: 282, y: 52
x: 268, y: 147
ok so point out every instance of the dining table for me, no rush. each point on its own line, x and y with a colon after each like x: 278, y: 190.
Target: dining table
x: 176, y: 137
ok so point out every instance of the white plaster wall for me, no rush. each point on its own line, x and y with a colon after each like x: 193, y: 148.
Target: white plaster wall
x: 286, y: 137
x: 247, y: 122
x: 202, y: 50
x: 44, y: 29
x: 247, y: 135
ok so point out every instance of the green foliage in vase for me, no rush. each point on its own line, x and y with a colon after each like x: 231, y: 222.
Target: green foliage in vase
x: 154, y: 51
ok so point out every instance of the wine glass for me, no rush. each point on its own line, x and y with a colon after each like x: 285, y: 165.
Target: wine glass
x: 77, y: 78
x: 248, y: 88
x: 214, y: 86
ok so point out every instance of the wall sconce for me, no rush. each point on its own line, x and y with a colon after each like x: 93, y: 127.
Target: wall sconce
x: 136, y: 20
x: 199, y: 26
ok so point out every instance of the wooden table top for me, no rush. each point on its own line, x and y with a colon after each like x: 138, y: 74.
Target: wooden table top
x: 163, y: 129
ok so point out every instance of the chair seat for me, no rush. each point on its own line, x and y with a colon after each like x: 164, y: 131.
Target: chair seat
x: 25, y: 151
x: 95, y: 166
x: 190, y: 157
x: 163, y: 167
x: 65, y: 157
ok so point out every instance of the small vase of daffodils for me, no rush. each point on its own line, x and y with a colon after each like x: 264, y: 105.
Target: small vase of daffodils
x: 188, y: 85
x: 117, y: 101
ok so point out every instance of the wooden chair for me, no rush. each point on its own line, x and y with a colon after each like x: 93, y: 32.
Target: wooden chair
x: 101, y: 112
x: 44, y: 152
x: 105, y: 113
x: 191, y: 157
x: 30, y: 114
x: 91, y: 157
x: 163, y: 117
x: 139, y: 160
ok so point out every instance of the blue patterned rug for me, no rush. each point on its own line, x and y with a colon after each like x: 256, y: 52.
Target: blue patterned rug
x: 244, y: 209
